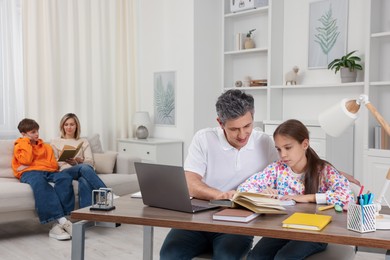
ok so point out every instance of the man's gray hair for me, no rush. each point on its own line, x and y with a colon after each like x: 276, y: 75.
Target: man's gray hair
x: 233, y: 104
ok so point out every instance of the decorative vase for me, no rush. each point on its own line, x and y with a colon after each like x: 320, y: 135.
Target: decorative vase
x: 249, y: 43
x: 142, y: 132
x: 347, y: 75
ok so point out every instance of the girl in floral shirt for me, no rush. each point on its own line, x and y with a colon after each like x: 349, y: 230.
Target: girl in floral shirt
x: 299, y: 175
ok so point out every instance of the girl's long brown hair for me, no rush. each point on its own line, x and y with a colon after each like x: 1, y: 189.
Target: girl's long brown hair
x: 298, y: 131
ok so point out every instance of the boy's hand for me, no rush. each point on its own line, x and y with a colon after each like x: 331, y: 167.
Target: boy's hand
x: 32, y: 138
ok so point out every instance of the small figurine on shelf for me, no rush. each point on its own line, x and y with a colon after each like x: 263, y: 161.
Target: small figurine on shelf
x: 247, y: 81
x: 249, y: 43
x: 292, y: 76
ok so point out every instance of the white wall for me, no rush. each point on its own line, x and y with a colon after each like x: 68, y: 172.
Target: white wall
x: 166, y: 43
x: 182, y: 36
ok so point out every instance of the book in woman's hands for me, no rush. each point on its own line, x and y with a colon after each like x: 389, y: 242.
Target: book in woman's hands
x: 237, y: 215
x: 69, y: 152
x: 256, y: 202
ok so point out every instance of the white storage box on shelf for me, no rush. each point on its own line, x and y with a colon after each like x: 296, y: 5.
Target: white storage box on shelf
x: 241, y: 5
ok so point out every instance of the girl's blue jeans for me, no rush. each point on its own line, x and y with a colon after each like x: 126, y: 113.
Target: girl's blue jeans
x: 274, y: 248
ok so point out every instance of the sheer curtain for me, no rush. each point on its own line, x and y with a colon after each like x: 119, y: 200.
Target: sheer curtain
x: 11, y: 69
x: 79, y: 57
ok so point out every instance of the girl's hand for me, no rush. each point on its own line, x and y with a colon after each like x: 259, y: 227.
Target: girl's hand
x: 272, y: 192
x: 300, y: 198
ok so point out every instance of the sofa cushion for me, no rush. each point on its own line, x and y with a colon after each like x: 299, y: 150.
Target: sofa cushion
x: 15, y: 196
x: 94, y: 142
x: 105, y: 162
x: 6, y: 152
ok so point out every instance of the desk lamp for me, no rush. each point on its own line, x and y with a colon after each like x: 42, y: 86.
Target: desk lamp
x: 337, y: 119
x: 141, y: 119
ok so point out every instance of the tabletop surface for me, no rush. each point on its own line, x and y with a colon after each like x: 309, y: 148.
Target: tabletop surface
x: 132, y: 211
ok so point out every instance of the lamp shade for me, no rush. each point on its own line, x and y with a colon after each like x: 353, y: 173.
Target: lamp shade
x: 141, y: 118
x: 335, y: 120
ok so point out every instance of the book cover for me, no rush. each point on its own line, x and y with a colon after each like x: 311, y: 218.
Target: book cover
x: 69, y: 152
x: 307, y: 221
x: 236, y: 215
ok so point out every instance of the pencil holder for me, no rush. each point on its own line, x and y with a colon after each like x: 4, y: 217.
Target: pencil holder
x: 361, y: 221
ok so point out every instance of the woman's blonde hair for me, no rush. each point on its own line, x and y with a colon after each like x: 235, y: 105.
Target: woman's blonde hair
x: 78, y: 127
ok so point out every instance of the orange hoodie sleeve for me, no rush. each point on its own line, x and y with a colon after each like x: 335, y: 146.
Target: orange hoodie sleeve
x: 23, y: 151
x: 27, y: 157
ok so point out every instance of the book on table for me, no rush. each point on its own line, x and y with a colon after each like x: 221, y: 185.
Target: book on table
x: 256, y: 202
x: 236, y: 215
x: 69, y: 152
x: 307, y: 221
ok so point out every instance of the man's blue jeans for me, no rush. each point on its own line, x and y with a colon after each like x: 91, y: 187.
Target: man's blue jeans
x: 278, y: 249
x: 88, y: 181
x: 186, y: 244
x: 51, y: 203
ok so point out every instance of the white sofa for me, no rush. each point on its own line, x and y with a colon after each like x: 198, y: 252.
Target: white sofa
x: 17, y: 200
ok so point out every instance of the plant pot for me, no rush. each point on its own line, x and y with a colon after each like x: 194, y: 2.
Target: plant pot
x: 249, y: 43
x: 347, y: 75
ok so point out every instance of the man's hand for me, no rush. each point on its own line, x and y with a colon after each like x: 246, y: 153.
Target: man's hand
x: 226, y: 195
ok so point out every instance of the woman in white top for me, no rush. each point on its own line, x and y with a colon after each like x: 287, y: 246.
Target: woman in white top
x: 81, y: 167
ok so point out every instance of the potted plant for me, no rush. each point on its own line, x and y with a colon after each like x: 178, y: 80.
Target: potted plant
x: 348, y: 66
x: 249, y: 43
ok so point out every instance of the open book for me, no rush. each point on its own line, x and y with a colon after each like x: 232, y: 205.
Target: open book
x: 69, y: 152
x: 256, y: 202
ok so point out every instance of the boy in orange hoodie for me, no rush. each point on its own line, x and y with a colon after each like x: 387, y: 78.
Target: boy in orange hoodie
x: 34, y: 163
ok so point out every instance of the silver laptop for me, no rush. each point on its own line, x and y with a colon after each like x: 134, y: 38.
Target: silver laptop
x: 165, y: 186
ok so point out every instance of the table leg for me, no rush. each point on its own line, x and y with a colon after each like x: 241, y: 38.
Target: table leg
x: 387, y: 257
x: 148, y: 243
x: 78, y: 238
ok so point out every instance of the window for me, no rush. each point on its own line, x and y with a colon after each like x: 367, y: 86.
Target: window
x: 11, y: 68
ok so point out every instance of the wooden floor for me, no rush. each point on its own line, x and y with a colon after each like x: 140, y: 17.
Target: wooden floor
x: 29, y: 240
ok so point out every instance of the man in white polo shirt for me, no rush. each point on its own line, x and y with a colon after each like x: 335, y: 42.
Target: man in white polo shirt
x: 218, y: 160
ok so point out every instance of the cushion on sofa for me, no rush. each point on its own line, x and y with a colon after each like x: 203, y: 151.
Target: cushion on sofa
x: 95, y: 144
x: 6, y: 152
x: 105, y: 162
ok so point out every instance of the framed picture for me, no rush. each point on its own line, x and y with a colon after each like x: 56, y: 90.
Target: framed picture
x: 165, y: 98
x: 328, y: 20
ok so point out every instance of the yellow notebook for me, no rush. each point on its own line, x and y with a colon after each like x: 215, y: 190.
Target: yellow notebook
x: 307, y: 221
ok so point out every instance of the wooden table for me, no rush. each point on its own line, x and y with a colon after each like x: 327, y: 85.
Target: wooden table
x: 132, y: 211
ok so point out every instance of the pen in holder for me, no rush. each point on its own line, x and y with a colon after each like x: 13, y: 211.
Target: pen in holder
x: 102, y: 199
x: 361, y: 218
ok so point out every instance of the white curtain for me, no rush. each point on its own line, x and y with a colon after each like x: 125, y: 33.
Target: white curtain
x: 79, y: 56
x: 11, y: 69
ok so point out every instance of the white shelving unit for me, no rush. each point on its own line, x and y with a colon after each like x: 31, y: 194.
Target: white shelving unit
x: 277, y: 102
x: 377, y: 77
x: 261, y: 62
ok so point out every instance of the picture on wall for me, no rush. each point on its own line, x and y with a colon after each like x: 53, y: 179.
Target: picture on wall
x: 328, y: 20
x: 165, y: 98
